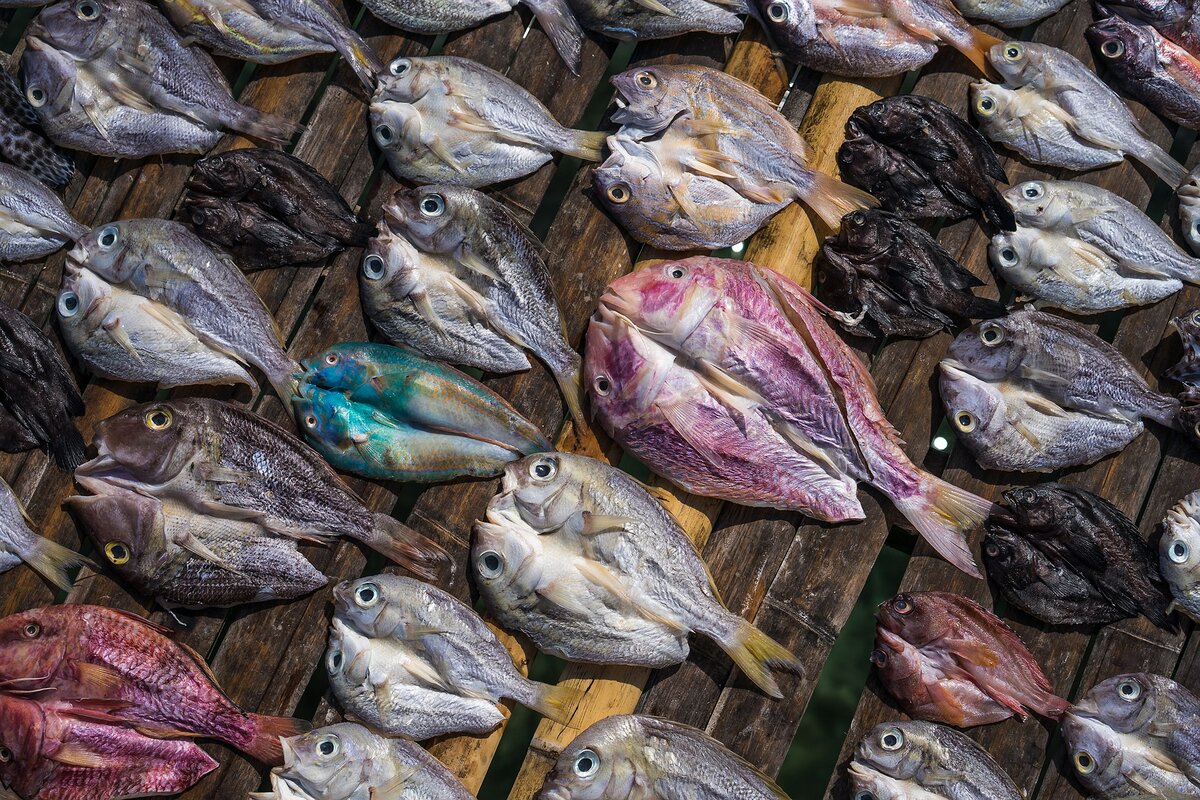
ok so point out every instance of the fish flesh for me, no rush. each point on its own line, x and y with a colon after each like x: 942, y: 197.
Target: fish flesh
x: 729, y: 130
x: 1136, y: 735
x: 1153, y: 69
x: 22, y: 140
x: 885, y: 276
x: 1188, y: 196
x: 499, y: 281
x: 384, y: 412
x: 33, y: 221
x: 18, y: 543
x: 84, y: 652
x: 1178, y: 551
x: 926, y: 760
x: 445, y: 119
x: 1034, y: 392
x: 220, y: 460
x: 1068, y: 557
x: 273, y: 31
x: 923, y: 161
x: 413, y: 661
x: 38, y: 396
x: 947, y: 659
x: 636, y: 750
x: 164, y: 262
x: 348, y: 762
x: 1009, y: 13
x: 1177, y: 20
x: 268, y: 208
x: 724, y: 378
x: 81, y: 751
x: 1085, y: 104
x: 579, y: 557
x: 659, y: 19
x: 182, y: 558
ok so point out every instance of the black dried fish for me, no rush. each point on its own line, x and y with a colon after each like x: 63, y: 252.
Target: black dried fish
x: 1069, y: 557
x: 922, y: 161
x: 254, y: 238
x: 888, y: 277
x: 22, y: 142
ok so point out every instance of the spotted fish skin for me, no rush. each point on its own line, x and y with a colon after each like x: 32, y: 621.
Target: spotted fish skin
x: 22, y: 141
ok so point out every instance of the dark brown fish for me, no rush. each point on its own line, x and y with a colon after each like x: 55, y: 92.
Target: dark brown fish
x: 1150, y: 67
x: 254, y: 238
x: 22, y: 141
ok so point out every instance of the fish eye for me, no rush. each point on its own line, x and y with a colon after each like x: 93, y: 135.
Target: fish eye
x: 864, y: 795
x: 619, y: 193
x: 990, y: 549
x: 991, y: 334
x: 879, y: 657
x: 1196, y: 314
x: 965, y: 421
x: 36, y: 96
x: 1033, y: 190
x: 399, y: 66
x: 5, y: 754
x: 117, y: 553
x: 158, y: 419
x: 892, y: 739
x: 87, y: 10
x: 587, y: 763
x: 1178, y: 551
x: 310, y: 421
x: 1084, y: 763
x: 491, y: 564
x: 329, y: 745
x: 1113, y: 48
x: 857, y: 219
x: 602, y: 385
x: 109, y: 235
x: 646, y: 79
x: 31, y: 630
x: 384, y: 134
x: 1129, y: 690
x: 331, y: 359
x: 543, y: 469
x: 333, y: 662
x: 985, y: 106
x: 903, y: 605
x: 433, y: 205
x: 1008, y: 256
x: 1013, y: 51
x: 778, y: 11
x: 68, y: 304
x: 367, y: 595
x: 372, y: 267
x: 676, y: 272
x: 198, y: 216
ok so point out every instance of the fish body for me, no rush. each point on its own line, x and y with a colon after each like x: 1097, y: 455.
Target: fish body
x: 580, y: 558
x: 926, y: 638
x: 1155, y: 70
x: 723, y: 377
x: 1068, y: 557
x: 928, y: 761
x: 1178, y: 552
x: 255, y: 239
x: 445, y: 119
x: 1009, y: 13
x: 33, y: 221
x: 221, y: 460
x: 18, y: 542
x: 923, y: 161
x: 83, y: 652
x: 38, y: 396
x: 885, y: 276
x: 1177, y: 20
x: 22, y: 141
x: 625, y: 753
x: 641, y: 21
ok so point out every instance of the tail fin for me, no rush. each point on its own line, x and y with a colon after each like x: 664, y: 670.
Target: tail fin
x: 560, y: 25
x: 588, y: 145
x: 359, y: 57
x: 265, y: 127
x: 757, y: 654
x: 943, y: 513
x: 265, y: 746
x: 280, y: 371
x: 975, y: 48
x: 401, y: 544
x: 1163, y: 409
x: 981, y: 307
x: 556, y: 703
x: 1161, y: 164
x: 998, y: 213
x: 1053, y: 706
x: 68, y: 448
x: 830, y: 199
x: 571, y: 385
x: 53, y: 561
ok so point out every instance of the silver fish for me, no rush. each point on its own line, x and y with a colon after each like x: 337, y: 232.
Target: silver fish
x: 1009, y: 13
x: 659, y: 19
x: 19, y: 543
x: 1179, y: 554
x: 1188, y: 195
x: 33, y: 221
x: 444, y: 119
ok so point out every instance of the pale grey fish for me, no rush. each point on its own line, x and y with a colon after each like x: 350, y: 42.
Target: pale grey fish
x: 19, y: 543
x: 929, y: 761
x: 668, y: 758
x: 1188, y: 196
x: 444, y: 119
x: 273, y: 31
x: 871, y: 785
x: 500, y: 278
x: 165, y: 262
x: 659, y: 19
x: 627, y: 550
x: 33, y: 221
x: 120, y: 335
x: 1009, y: 13
x: 349, y: 762
x: 1093, y: 111
x: 1179, y: 554
x: 414, y: 661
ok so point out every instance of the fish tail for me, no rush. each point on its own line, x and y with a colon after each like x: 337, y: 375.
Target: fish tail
x: 562, y: 28
x: 280, y: 371
x: 556, y: 703
x: 997, y: 213
x: 1163, y: 409
x: 1160, y: 163
x: 588, y: 145
x: 975, y: 46
x: 1053, y: 706
x: 54, y: 562
x: 570, y: 383
x: 266, y: 127
x: 359, y: 56
x: 831, y: 199
x: 757, y: 654
x: 401, y: 544
x: 265, y: 745
x: 943, y: 513
x: 67, y: 447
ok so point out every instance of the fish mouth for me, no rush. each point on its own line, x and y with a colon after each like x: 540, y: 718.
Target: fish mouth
x: 1087, y: 708
x: 341, y: 595
x: 953, y: 368
x: 857, y: 769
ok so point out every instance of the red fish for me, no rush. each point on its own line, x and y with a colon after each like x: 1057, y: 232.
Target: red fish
x: 85, y: 652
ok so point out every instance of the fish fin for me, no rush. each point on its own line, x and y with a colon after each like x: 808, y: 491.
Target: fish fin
x: 1026, y: 434
x: 164, y: 732
x: 605, y: 523
x: 218, y: 474
x: 830, y: 199
x: 98, y: 679
x: 943, y: 513
x: 800, y: 440
x: 713, y: 127
x: 112, y: 326
x: 556, y: 595
x: 656, y: 7
x: 763, y: 194
x: 709, y: 162
x: 402, y: 545
x: 973, y: 651
x: 53, y: 561
x: 74, y: 754
x: 756, y: 654
x: 474, y: 262
x: 470, y: 121
x: 562, y: 29
x: 1045, y: 406
x: 859, y: 9
x: 268, y: 731
x: 600, y: 575
x: 424, y: 307
x: 167, y: 317
x: 1160, y: 163
x: 439, y: 149
x: 682, y: 419
x: 687, y: 209
x: 1041, y: 377
x: 557, y: 703
x: 469, y: 296
x: 570, y: 385
x: 162, y: 630
x: 197, y: 548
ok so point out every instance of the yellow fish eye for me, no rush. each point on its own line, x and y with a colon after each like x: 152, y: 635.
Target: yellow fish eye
x: 646, y: 80
x: 985, y: 106
x: 117, y: 553
x: 1084, y: 763
x: 1013, y: 51
x: 158, y: 419
x: 619, y: 193
x: 965, y: 421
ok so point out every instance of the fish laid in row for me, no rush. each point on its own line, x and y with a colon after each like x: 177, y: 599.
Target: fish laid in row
x: 1179, y: 554
x: 22, y: 140
x: 384, y: 413
x: 579, y: 557
x: 267, y: 208
x: 413, y: 661
x: 19, y: 542
x: 724, y: 378
x: 454, y: 275
x: 445, y: 119
x: 947, y: 659
x: 1034, y: 392
x: 1151, y: 68
x: 33, y: 221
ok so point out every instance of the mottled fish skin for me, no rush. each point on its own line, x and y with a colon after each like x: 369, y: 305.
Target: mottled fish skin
x: 1155, y: 70
x: 80, y: 751
x: 1068, y: 557
x: 38, y: 396
x: 219, y: 459
x: 349, y: 762
x: 630, y: 567
x: 1179, y: 554
x: 1093, y: 111
x: 936, y: 164
x: 22, y: 141
x: 724, y: 378
x: 947, y: 636
x: 640, y: 21
x: 928, y: 760
x: 885, y: 276
x: 18, y: 543
x: 273, y: 31
x: 445, y: 119
x: 1134, y: 735
x: 1175, y: 19
x: 667, y: 758
x: 1188, y: 196
x: 33, y: 221
x: 1009, y: 13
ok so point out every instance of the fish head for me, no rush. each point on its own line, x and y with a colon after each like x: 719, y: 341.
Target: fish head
x: 631, y: 186
x: 1019, y: 63
x: 48, y: 76
x: 1013, y: 252
x: 649, y: 98
x: 1124, y: 47
x: 83, y: 300
x: 897, y: 662
x: 435, y: 218
x: 324, y: 416
x: 976, y: 408
x: 896, y: 749
x: 990, y: 350
x: 391, y: 121
x: 1038, y: 508
x: 343, y: 368
x: 1179, y: 547
x: 409, y: 78
x: 215, y: 218
x: 348, y: 654
x: 505, y: 551
x: 1188, y: 421
x: 668, y: 301
x: 82, y: 28
x: 1095, y: 753
x: 606, y: 762
x: 148, y: 445
x: 129, y: 529
x: 377, y: 605
x: 390, y: 265
x: 917, y: 617
x: 226, y: 174
x: 1047, y: 205
x: 1126, y: 703
x: 548, y: 489
x: 787, y: 20
x: 114, y: 251
x: 328, y: 762
x: 992, y: 103
x: 868, y: 231
x: 837, y: 279
x: 861, y: 158
x: 1188, y: 327
x: 33, y: 646
x: 870, y: 784
x: 23, y: 732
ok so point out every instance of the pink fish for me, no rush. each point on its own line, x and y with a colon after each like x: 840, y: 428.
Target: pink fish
x: 724, y: 377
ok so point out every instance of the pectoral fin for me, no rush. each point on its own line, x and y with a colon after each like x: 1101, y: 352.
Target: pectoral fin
x: 112, y: 326
x: 683, y: 419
